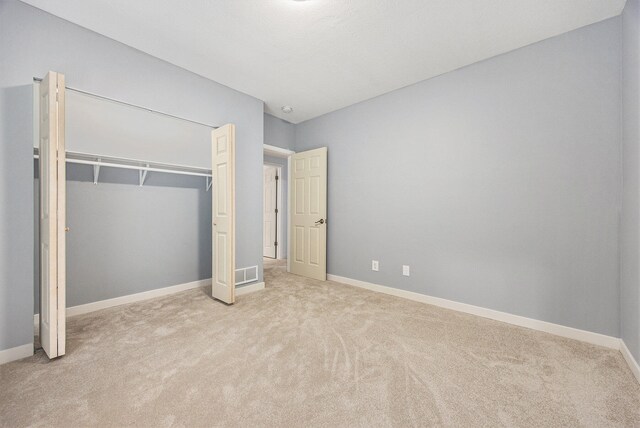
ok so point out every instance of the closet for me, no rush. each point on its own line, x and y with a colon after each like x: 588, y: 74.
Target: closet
x: 127, y: 202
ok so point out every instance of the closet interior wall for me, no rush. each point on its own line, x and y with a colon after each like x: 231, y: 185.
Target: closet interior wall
x: 87, y: 60
x: 131, y: 230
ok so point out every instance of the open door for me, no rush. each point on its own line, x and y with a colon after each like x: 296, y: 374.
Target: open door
x: 52, y: 215
x: 308, y: 208
x: 270, y: 215
x: 224, y: 234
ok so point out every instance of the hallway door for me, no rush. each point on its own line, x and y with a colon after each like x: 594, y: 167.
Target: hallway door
x: 308, y: 214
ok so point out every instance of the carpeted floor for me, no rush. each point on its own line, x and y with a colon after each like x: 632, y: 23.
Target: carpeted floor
x: 308, y: 353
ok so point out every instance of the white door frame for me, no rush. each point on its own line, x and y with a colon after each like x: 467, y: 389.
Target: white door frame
x: 279, y: 208
x: 289, y: 215
x: 276, y: 152
x: 279, y: 152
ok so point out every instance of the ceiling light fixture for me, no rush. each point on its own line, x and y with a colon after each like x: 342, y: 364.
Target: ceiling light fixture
x: 287, y: 109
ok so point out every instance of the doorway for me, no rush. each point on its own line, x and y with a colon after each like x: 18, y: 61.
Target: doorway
x: 272, y: 213
x: 301, y: 203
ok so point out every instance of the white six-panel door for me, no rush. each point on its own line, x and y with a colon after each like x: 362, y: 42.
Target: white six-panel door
x: 52, y: 215
x: 270, y: 238
x: 223, y: 239
x: 308, y: 199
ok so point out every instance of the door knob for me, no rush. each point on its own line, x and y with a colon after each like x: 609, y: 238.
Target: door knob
x: 321, y: 221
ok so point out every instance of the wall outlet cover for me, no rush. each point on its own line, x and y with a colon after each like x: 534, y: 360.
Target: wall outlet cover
x: 374, y: 265
x: 405, y: 270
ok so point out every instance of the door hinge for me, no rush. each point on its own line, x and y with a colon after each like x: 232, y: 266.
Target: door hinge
x: 275, y: 244
x: 276, y: 211
x: 277, y: 178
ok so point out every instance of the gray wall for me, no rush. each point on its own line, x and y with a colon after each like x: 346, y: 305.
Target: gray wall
x: 33, y: 42
x: 278, y: 132
x: 130, y: 132
x: 505, y: 174
x: 630, y: 227
x: 499, y: 183
x: 284, y: 208
x: 127, y: 239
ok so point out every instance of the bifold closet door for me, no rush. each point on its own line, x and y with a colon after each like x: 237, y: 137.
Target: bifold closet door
x: 223, y: 239
x: 52, y: 215
x: 308, y: 199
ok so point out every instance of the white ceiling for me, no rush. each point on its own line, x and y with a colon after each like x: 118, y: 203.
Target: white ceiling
x: 322, y: 55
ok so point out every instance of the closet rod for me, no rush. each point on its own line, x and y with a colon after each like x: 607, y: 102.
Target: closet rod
x: 110, y: 162
x: 38, y: 79
x: 139, y: 168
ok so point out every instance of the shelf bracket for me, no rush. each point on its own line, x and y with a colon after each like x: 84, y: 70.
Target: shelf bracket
x: 96, y: 173
x: 209, y: 182
x: 143, y: 175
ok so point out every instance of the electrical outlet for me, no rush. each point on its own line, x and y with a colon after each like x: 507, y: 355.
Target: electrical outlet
x: 405, y: 270
x: 374, y: 265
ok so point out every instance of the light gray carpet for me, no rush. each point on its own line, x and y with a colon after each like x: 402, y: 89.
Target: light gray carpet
x: 307, y: 353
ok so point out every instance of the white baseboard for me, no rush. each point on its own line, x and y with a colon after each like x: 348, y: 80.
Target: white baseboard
x: 137, y: 297
x: 558, y: 330
x: 547, y: 327
x: 131, y: 298
x: 145, y: 295
x: 17, y: 353
x: 633, y: 364
x: 246, y: 289
x: 27, y: 350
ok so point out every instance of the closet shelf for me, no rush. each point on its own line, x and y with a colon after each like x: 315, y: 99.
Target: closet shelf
x: 143, y: 167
